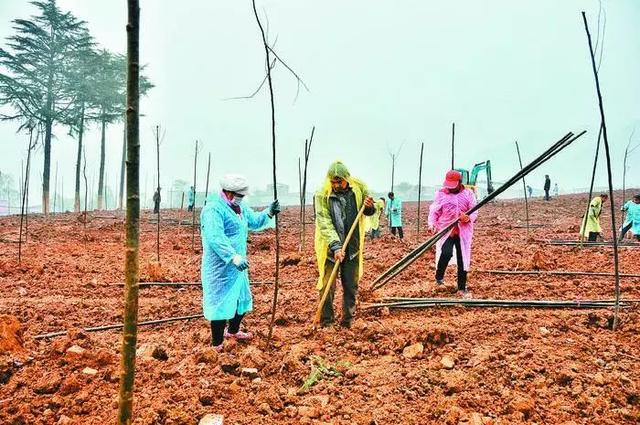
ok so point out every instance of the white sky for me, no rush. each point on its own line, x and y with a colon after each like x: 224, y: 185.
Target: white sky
x: 381, y: 75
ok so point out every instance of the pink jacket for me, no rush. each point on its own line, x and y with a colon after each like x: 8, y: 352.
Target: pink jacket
x: 447, y: 207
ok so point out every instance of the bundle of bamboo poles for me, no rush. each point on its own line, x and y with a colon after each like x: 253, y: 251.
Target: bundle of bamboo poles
x: 403, y: 303
x: 425, y: 246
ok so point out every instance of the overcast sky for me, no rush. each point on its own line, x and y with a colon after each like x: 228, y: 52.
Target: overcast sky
x: 381, y: 75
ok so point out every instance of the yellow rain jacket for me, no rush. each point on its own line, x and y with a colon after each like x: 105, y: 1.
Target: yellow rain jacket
x: 592, y: 220
x: 325, y: 231
x: 373, y: 222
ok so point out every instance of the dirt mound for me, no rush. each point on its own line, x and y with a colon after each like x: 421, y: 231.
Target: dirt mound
x: 10, y: 335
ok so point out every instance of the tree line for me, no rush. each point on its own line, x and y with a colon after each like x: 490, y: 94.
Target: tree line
x: 54, y: 75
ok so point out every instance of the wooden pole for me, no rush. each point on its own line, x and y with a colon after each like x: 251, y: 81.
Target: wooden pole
x: 307, y: 152
x: 453, y: 144
x: 206, y: 187
x: 524, y: 187
x: 195, y: 192
x: 55, y: 189
x: 158, y: 191
x: 593, y: 179
x: 419, y: 190
x: 24, y: 195
x: 609, y: 176
x: 275, y: 180
x: 336, y: 266
x: 300, y: 217
x: 122, y: 165
x: 130, y: 328
x: 393, y: 171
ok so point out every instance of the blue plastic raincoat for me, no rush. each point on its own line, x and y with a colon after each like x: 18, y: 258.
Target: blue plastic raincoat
x: 633, y: 216
x: 225, y: 289
x: 395, y: 217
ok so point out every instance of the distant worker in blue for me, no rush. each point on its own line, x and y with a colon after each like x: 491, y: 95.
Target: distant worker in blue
x: 225, y: 224
x: 192, y: 199
x: 632, y: 219
x: 393, y: 211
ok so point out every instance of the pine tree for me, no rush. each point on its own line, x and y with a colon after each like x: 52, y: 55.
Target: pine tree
x: 35, y: 72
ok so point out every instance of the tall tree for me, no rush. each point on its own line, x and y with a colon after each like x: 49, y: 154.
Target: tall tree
x: 130, y: 329
x: 34, y: 72
x: 85, y: 69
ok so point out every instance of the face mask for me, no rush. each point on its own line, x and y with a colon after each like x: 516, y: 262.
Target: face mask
x: 236, y: 201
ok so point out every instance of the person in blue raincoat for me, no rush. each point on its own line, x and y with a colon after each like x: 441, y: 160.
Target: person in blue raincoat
x: 632, y: 221
x: 393, y: 210
x: 192, y: 199
x: 225, y: 223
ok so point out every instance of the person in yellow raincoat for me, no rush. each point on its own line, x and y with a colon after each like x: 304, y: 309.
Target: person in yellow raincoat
x: 372, y: 223
x: 337, y: 205
x: 591, y: 223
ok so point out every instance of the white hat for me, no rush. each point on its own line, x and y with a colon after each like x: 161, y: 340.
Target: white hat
x: 235, y: 183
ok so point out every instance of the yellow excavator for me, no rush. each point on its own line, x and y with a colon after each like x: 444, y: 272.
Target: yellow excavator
x: 470, y: 179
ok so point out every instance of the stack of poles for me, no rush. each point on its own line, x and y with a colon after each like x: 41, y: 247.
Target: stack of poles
x: 399, y: 303
x: 397, y: 268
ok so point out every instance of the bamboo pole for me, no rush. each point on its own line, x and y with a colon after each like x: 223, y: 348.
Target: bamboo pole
x: 524, y: 187
x: 130, y: 326
x: 555, y: 273
x: 206, y: 187
x: 267, y: 51
x: 55, y: 189
x: 407, y: 260
x: 336, y: 266
x: 609, y: 176
x: 419, y: 189
x: 120, y: 326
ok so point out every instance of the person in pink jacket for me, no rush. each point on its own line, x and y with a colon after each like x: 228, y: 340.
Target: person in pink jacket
x: 450, y: 203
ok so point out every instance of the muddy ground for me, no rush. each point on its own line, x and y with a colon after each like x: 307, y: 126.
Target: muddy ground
x: 477, y: 366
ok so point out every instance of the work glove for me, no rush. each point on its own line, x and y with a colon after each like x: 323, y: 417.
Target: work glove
x: 274, y: 208
x: 240, y: 262
x: 464, y: 218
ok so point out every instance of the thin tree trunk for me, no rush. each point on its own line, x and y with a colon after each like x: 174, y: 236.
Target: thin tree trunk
x: 593, y: 180
x: 304, y: 184
x: 276, y: 285
x: 76, y: 203
x: 393, y: 171
x: 419, y: 190
x: 55, y: 189
x: 206, y: 187
x: 195, y: 192
x: 158, y: 191
x: 524, y: 187
x: 609, y: 177
x: 86, y: 192
x: 130, y: 330
x: 122, y: 166
x: 101, y: 172
x: 62, y: 194
x: 453, y: 145
x: 300, y: 217
x: 24, y: 197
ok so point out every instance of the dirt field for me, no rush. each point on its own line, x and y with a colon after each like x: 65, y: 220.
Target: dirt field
x: 478, y: 366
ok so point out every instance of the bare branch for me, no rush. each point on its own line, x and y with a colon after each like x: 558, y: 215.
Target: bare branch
x: 257, y: 90
x: 289, y: 68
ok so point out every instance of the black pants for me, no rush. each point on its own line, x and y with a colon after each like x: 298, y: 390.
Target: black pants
x: 445, y: 257
x: 625, y: 229
x: 399, y: 230
x: 593, y: 236
x: 156, y: 207
x: 546, y: 195
x: 349, y: 279
x: 190, y: 208
x: 217, y: 328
